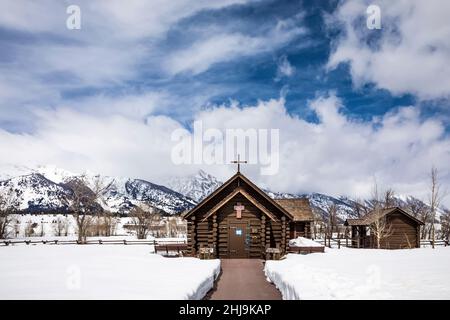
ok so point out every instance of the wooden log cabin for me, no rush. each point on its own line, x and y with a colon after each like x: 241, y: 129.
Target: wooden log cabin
x: 401, y: 230
x: 239, y: 220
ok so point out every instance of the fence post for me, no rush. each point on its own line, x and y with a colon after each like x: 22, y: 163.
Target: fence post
x: 339, y: 244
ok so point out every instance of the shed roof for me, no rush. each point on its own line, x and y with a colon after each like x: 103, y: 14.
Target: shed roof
x: 373, y: 215
x: 300, y: 208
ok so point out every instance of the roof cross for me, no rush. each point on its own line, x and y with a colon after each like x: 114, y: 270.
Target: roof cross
x: 238, y: 161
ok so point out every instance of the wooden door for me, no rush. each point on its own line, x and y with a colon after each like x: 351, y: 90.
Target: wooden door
x: 237, y: 235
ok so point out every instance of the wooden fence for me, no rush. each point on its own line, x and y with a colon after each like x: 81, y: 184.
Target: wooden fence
x: 90, y: 242
x: 347, y: 242
x: 429, y: 243
x: 327, y: 242
x: 334, y: 242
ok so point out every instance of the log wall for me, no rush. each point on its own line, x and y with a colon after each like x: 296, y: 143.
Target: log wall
x: 260, y: 230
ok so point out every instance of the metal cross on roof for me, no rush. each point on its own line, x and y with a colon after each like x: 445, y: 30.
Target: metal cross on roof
x: 238, y: 161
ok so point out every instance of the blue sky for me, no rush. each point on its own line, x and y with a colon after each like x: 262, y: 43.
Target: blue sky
x: 164, y: 65
x: 246, y: 78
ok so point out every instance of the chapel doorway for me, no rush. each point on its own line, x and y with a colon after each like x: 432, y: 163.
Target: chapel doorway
x: 237, y: 236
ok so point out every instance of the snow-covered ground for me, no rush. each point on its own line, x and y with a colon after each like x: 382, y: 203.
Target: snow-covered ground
x: 364, y: 274
x: 101, y: 272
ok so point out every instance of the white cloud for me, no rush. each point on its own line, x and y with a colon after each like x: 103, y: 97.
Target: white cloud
x: 118, y: 42
x: 337, y: 155
x: 413, y: 50
x: 133, y: 19
x: 111, y: 145
x: 284, y: 68
x: 224, y: 47
x: 340, y: 155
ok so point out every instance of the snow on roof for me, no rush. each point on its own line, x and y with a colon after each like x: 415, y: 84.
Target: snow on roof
x: 303, y: 242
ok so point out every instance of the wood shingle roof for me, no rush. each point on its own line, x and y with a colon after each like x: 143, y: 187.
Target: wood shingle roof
x: 300, y: 208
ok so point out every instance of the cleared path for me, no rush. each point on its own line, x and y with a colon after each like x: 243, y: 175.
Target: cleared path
x: 243, y: 279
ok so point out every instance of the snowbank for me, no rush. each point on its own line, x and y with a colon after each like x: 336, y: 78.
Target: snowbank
x: 303, y: 242
x: 101, y: 272
x: 364, y: 274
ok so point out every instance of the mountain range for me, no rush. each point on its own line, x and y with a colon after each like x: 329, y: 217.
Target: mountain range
x: 44, y: 189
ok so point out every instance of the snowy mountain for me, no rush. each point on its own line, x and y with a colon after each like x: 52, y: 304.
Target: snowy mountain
x: 34, y: 193
x: 44, y: 189
x: 200, y: 185
x: 158, y: 196
x: 321, y: 203
x: 196, y: 186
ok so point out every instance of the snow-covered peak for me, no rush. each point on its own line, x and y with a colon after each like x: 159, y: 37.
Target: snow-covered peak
x: 54, y: 173
x: 34, y: 192
x: 196, y: 186
x: 44, y: 189
x: 8, y: 171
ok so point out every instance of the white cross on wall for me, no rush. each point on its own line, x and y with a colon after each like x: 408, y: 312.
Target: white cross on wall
x: 239, y: 208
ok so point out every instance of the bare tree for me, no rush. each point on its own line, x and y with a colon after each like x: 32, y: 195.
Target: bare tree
x: 331, y: 221
x: 108, y: 223
x: 360, y: 208
x: 389, y: 198
x: 42, y: 228
x: 5, y: 223
x: 61, y: 226
x: 445, y: 225
x: 143, y: 220
x: 30, y: 227
x: 420, y: 211
x: 380, y: 228
x: 318, y: 224
x: 7, y: 208
x: 83, y: 203
x: 105, y: 224
x: 436, y: 196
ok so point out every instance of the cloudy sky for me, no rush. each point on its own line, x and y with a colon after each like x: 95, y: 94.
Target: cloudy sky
x: 351, y: 104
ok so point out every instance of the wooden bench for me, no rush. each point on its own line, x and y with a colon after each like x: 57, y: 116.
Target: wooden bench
x: 176, y: 249
x: 273, y: 253
x: 206, y: 253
